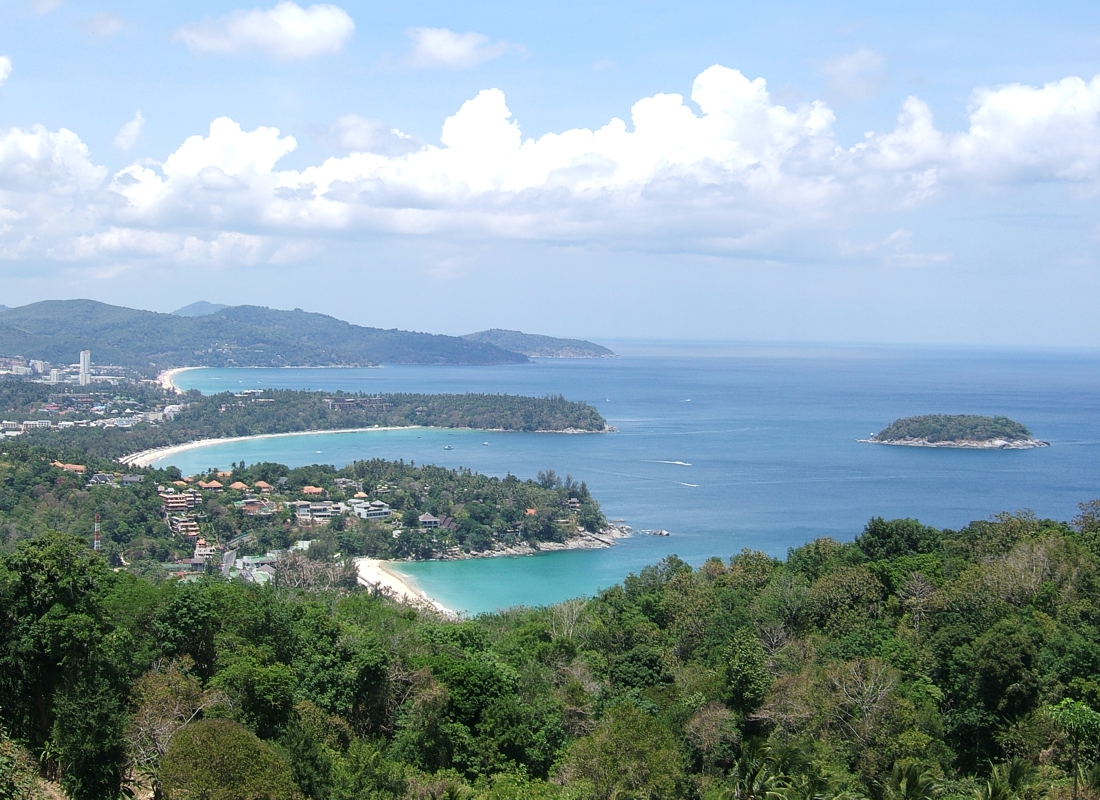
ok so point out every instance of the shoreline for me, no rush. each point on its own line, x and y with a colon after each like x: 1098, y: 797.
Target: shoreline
x: 167, y: 379
x: 146, y: 458
x: 965, y: 444
x: 385, y: 575
x: 377, y: 573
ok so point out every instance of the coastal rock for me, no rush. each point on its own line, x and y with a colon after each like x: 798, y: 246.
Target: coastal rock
x: 964, y: 444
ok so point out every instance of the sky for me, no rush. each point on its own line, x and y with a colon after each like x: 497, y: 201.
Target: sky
x: 781, y: 171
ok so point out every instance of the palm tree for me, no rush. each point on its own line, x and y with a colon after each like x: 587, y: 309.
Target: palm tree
x: 913, y: 782
x: 1008, y: 781
x: 756, y: 775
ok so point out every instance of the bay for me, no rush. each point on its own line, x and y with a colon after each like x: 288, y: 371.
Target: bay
x: 725, y: 445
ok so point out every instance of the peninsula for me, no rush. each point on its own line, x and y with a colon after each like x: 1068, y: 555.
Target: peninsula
x: 536, y: 346
x: 965, y: 431
x: 149, y: 419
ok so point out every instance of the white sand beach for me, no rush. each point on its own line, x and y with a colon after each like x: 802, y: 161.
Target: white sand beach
x: 167, y: 379
x: 374, y: 572
x: 147, y: 458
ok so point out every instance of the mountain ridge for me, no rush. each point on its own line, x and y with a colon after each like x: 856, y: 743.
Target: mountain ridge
x: 237, y: 336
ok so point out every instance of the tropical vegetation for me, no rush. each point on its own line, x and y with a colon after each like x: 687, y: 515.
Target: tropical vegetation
x: 952, y: 428
x: 911, y: 662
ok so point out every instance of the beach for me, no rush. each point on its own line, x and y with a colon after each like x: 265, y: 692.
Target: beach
x: 167, y: 378
x: 374, y: 572
x: 146, y: 458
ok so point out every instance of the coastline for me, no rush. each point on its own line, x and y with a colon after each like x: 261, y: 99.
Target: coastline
x: 965, y: 444
x: 146, y: 458
x: 384, y: 575
x: 583, y: 540
x: 167, y: 379
x: 376, y: 573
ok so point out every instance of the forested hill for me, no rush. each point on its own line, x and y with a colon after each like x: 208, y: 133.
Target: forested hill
x: 240, y: 336
x: 953, y: 428
x: 536, y: 346
x: 909, y: 664
x: 287, y: 411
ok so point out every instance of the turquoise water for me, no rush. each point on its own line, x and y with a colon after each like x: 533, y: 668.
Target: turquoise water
x: 725, y: 446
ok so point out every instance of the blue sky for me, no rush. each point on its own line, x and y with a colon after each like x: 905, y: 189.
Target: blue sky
x: 780, y: 171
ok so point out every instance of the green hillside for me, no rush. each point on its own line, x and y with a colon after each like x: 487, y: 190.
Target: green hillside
x: 241, y: 336
x: 536, y: 346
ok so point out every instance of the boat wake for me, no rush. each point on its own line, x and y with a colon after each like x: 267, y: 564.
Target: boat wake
x: 677, y: 463
x: 692, y: 485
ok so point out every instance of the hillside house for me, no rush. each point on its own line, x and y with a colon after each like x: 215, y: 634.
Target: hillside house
x: 373, y: 510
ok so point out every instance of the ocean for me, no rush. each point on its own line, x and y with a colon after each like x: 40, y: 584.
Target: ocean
x: 726, y: 446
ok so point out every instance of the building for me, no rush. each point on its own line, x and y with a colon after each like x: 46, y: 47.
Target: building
x: 317, y: 513
x: 204, y: 550
x: 184, y: 525
x: 374, y: 510
x: 175, y: 502
x: 428, y: 521
x: 85, y: 375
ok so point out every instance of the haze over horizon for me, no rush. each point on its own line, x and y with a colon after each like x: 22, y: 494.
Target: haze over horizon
x: 771, y: 172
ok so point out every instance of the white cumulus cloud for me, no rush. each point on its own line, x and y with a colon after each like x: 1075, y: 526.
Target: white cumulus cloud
x: 5, y: 68
x: 729, y: 170
x: 435, y: 48
x: 286, y: 32
x: 131, y: 132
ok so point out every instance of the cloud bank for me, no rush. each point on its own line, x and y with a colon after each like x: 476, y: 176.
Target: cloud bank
x: 730, y: 171
x: 286, y: 32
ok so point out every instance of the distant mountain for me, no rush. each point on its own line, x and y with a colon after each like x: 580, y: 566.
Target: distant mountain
x: 240, y: 336
x: 536, y: 346
x: 199, y: 309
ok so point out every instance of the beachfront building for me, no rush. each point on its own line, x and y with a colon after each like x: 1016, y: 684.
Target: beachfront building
x: 428, y: 521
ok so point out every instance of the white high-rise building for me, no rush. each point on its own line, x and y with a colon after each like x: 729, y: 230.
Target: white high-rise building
x: 85, y: 367
x: 55, y: 376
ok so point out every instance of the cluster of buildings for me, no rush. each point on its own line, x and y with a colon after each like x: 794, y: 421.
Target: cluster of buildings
x: 358, y: 404
x: 81, y: 373
x: 181, y: 500
x: 92, y: 411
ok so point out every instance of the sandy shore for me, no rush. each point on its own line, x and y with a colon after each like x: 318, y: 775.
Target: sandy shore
x: 167, y: 379
x: 374, y: 572
x: 147, y: 458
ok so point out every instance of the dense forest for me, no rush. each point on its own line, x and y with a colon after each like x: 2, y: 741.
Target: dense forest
x: 911, y: 662
x: 952, y: 428
x: 239, y: 336
x: 287, y: 410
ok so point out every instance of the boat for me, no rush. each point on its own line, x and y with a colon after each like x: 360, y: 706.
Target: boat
x: 485, y: 443
x: 447, y: 447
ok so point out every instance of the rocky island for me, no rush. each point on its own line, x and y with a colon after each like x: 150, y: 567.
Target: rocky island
x: 967, y: 431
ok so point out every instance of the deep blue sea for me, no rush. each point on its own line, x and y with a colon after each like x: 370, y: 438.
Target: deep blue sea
x: 726, y: 446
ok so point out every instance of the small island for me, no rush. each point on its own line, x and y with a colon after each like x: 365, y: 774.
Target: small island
x: 967, y: 431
